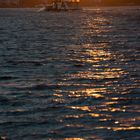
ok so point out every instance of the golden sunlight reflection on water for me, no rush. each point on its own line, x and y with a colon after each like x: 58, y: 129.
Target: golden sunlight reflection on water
x: 104, y: 75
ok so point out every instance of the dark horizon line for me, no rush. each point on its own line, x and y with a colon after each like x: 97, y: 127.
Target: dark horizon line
x: 36, y: 3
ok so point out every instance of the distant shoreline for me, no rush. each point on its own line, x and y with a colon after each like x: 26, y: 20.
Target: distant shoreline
x: 81, y: 6
x: 98, y: 5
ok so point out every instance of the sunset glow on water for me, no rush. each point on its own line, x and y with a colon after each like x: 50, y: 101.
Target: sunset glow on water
x: 70, y: 75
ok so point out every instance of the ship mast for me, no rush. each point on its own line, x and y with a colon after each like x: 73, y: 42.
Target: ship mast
x: 66, y: 4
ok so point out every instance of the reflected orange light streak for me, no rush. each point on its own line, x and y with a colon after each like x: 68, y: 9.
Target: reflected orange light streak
x: 94, y: 115
x: 83, y: 108
x: 119, y: 128
x: 94, y: 92
x: 73, y: 139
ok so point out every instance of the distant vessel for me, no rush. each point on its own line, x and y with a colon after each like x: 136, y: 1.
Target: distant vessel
x: 62, y: 5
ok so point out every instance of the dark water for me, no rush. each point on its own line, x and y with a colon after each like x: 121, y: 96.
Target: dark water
x: 70, y: 76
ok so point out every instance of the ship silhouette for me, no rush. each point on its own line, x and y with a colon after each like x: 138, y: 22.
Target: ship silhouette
x: 61, y: 5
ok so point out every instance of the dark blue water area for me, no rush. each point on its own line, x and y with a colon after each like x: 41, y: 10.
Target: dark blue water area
x: 70, y: 75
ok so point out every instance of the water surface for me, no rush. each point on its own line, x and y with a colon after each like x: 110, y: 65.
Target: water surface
x: 70, y: 74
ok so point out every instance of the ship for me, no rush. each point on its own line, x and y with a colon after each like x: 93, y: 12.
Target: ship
x: 62, y: 5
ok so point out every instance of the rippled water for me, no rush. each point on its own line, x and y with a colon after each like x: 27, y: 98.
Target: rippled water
x: 70, y: 74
